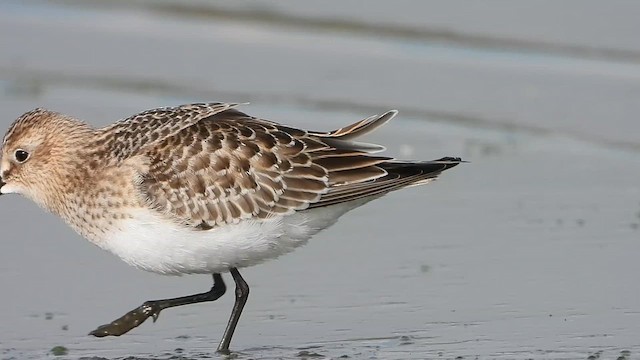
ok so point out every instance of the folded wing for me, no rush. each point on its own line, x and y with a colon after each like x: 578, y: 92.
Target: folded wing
x: 231, y: 166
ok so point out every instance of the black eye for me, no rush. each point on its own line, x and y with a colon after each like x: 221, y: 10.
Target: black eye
x: 21, y: 155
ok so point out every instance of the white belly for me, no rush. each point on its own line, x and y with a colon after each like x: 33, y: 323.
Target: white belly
x: 152, y: 243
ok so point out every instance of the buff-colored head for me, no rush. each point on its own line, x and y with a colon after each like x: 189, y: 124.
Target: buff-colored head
x: 37, y: 151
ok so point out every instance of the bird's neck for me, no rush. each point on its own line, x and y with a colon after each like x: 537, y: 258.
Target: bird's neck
x: 98, y: 199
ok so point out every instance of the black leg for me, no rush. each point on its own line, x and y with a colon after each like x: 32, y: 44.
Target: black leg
x: 152, y: 309
x: 242, y: 293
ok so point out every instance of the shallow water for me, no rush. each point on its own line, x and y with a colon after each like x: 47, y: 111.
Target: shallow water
x: 529, y: 251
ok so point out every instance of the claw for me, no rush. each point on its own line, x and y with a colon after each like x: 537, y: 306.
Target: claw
x: 155, y: 316
x: 151, y: 310
x: 100, y: 331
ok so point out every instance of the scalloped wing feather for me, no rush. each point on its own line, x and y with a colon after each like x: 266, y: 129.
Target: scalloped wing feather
x: 231, y: 167
x: 129, y: 137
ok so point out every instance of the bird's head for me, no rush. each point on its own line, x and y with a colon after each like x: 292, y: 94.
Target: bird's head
x: 37, y: 152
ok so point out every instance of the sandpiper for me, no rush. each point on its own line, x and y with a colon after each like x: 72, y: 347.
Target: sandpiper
x: 198, y: 188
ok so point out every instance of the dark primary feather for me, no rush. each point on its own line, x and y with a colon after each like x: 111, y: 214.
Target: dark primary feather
x: 229, y: 166
x: 397, y: 176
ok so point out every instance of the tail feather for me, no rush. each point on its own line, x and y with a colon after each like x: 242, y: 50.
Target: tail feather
x: 355, y: 174
x: 343, y: 137
x: 359, y: 128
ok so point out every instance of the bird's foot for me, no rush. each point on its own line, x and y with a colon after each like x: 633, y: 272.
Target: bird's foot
x: 128, y: 321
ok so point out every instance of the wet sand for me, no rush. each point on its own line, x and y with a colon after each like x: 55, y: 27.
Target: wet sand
x: 528, y: 251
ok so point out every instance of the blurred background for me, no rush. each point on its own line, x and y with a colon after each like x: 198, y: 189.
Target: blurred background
x: 529, y: 251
